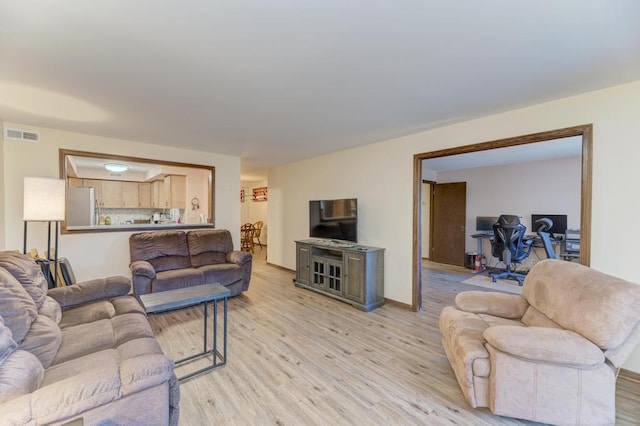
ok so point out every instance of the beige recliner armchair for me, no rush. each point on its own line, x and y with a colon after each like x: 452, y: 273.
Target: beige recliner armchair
x: 551, y: 355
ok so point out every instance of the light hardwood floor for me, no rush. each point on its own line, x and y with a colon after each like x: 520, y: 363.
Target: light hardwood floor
x: 296, y: 357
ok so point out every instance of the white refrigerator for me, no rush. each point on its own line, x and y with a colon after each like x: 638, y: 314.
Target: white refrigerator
x: 81, y: 207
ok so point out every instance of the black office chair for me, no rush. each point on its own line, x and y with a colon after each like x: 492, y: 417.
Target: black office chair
x: 544, y: 224
x: 509, y: 246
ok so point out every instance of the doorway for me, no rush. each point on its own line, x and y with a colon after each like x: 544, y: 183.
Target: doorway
x: 583, y: 131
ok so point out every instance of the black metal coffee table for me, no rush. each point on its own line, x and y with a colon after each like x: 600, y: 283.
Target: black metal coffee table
x: 183, y: 297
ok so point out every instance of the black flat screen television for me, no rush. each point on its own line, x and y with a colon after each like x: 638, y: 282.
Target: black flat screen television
x: 559, y: 223
x: 334, y: 219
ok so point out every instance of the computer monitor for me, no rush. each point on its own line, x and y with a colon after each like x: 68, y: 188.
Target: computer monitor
x: 485, y: 223
x: 559, y: 223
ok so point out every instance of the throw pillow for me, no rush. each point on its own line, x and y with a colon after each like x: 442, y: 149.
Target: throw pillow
x: 21, y: 373
x: 27, y: 272
x: 17, y: 307
x: 51, y: 309
x: 43, y: 340
x: 7, y: 344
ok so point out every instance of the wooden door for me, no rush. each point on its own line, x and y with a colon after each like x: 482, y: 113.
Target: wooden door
x: 449, y: 205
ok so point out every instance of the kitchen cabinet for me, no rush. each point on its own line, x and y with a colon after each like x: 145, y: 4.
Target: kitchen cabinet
x: 74, y: 182
x: 96, y: 184
x: 157, y: 194
x: 144, y: 195
x: 130, y: 195
x: 112, y: 194
x: 175, y: 191
x: 133, y: 195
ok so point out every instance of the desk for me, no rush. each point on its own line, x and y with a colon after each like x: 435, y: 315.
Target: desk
x: 570, y: 257
x: 183, y: 297
x: 556, y: 243
x: 480, y: 238
x: 537, y: 241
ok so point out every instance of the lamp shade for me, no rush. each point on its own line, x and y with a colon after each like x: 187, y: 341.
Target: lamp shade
x: 44, y: 199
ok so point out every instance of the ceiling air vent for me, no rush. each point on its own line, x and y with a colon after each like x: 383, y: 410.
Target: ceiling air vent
x: 21, y: 135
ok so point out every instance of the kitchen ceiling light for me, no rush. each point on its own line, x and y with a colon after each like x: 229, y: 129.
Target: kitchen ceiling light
x: 116, y: 167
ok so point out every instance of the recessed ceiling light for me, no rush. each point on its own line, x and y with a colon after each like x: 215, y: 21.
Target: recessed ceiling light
x: 116, y: 167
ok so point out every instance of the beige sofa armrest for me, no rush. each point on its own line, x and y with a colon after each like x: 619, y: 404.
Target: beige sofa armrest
x: 499, y: 304
x: 92, y: 388
x: 88, y: 291
x: 17, y: 411
x: 238, y: 257
x: 541, y: 344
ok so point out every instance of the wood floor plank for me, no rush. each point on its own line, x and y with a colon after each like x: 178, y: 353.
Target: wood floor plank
x: 296, y: 357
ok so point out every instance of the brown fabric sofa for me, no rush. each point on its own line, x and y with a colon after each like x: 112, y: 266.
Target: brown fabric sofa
x: 551, y: 355
x: 166, y: 260
x: 83, y: 351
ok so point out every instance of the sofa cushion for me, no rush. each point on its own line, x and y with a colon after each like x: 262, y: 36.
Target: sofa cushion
x: 50, y: 308
x: 178, y: 278
x: 164, y: 250
x: 208, y: 247
x: 7, y: 344
x: 43, y: 340
x: 534, y: 318
x: 548, y: 345
x: 602, y: 308
x: 72, y: 367
x: 21, y: 373
x: 27, y: 272
x: 222, y: 273
x: 83, y: 339
x: 87, y: 313
x: 76, y: 366
x: 17, y: 307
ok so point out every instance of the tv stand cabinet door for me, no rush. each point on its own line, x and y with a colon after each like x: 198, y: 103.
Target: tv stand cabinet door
x: 354, y: 285
x: 303, y: 273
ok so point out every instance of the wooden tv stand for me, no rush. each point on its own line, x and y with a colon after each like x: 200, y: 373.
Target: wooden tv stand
x: 346, y: 271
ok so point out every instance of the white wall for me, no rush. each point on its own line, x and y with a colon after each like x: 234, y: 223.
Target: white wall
x: 381, y: 177
x: 546, y: 187
x: 100, y: 254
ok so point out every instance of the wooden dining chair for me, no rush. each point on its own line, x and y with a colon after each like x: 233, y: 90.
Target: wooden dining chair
x: 256, y: 233
x: 246, y: 237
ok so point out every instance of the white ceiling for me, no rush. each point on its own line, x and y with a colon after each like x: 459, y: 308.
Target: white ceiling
x: 277, y: 81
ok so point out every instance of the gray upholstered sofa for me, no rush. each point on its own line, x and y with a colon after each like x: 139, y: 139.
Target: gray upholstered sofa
x: 166, y: 260
x: 551, y: 355
x: 84, y: 351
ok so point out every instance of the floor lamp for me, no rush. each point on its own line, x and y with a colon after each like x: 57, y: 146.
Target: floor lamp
x: 44, y: 201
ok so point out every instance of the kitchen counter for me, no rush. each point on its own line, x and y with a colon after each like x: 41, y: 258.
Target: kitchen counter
x: 135, y: 227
